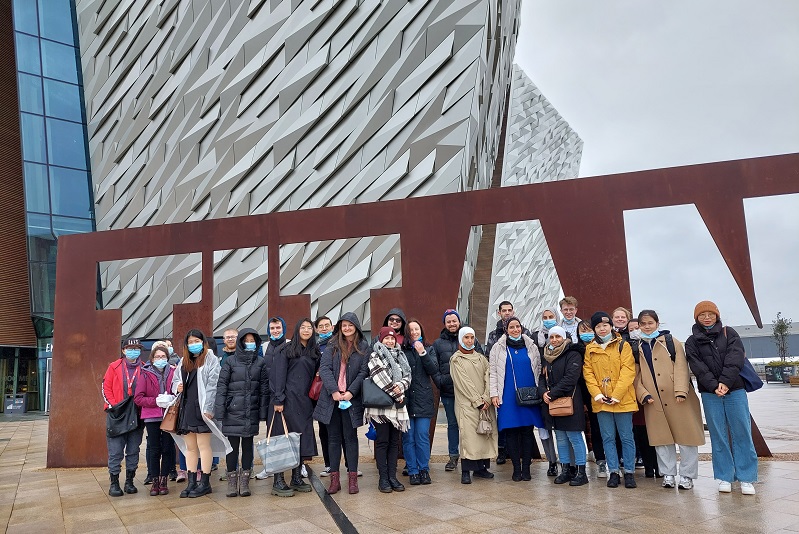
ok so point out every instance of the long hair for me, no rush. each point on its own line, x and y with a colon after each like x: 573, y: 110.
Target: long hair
x: 344, y: 347
x: 407, y: 333
x: 188, y: 363
x: 295, y: 348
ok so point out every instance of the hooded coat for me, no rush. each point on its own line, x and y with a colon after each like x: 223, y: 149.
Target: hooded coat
x: 611, y: 372
x: 442, y: 350
x: 400, y: 337
x: 272, y: 347
x: 715, y: 355
x: 242, y: 391
x: 357, y: 369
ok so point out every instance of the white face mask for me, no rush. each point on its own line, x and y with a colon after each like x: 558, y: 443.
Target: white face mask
x: 635, y: 334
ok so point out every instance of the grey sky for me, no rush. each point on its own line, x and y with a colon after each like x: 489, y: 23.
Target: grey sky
x: 651, y: 84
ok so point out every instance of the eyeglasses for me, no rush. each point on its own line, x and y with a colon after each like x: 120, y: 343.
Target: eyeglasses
x: 394, y: 320
x: 230, y: 337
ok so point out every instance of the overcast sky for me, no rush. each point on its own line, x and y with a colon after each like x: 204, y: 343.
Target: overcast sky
x: 650, y: 84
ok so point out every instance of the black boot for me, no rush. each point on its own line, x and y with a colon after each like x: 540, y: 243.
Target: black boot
x: 565, y: 474
x: 581, y: 477
x: 396, y: 485
x: 526, y: 470
x: 129, y: 487
x: 572, y: 471
x: 279, y: 487
x: 191, y: 479
x: 553, y: 469
x: 517, y: 470
x: 502, y: 456
x: 297, y: 483
x: 383, y: 484
x: 115, y: 490
x: 203, y: 487
x: 466, y: 478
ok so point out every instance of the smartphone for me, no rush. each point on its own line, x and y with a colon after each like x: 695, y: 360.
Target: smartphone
x: 607, y: 400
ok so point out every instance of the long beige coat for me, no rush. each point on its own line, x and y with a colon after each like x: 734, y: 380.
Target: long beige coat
x: 669, y: 421
x: 470, y: 378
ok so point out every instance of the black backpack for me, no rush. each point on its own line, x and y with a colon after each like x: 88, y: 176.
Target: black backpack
x: 669, y: 346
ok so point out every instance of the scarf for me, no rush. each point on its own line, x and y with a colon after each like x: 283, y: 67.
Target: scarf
x: 388, y: 367
x: 552, y: 355
x: 512, y: 343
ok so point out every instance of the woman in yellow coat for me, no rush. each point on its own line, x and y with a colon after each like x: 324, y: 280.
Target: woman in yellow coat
x: 609, y: 372
x: 663, y: 386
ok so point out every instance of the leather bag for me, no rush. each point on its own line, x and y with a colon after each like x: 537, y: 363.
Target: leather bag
x: 484, y: 426
x: 170, y: 421
x: 316, y: 388
x: 525, y: 396
x: 374, y: 396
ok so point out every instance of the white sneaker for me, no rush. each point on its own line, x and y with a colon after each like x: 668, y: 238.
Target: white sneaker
x: 360, y: 473
x: 668, y: 481
x: 747, y: 488
x: 686, y: 483
x: 262, y: 475
x: 304, y: 472
x: 725, y: 487
x: 602, y: 469
x: 325, y: 472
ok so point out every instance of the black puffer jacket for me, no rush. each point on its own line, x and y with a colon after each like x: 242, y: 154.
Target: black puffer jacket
x: 442, y: 350
x: 562, y: 378
x: 242, y: 391
x: 420, y: 394
x: 715, y: 355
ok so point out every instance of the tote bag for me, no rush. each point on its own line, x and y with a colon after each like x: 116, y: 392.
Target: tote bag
x: 279, y: 453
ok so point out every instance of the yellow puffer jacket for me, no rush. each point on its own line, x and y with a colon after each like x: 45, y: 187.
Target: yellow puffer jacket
x: 611, y: 372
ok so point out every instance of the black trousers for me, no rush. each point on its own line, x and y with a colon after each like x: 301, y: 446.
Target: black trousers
x: 160, y: 450
x: 475, y: 465
x: 596, y: 437
x: 341, y: 432
x: 647, y: 452
x: 386, y: 449
x: 232, y: 459
x: 519, y: 445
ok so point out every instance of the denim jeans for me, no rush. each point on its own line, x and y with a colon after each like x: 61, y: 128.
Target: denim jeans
x: 730, y: 413
x: 609, y: 424
x: 452, y: 425
x: 416, y: 445
x: 125, y: 445
x: 573, y: 438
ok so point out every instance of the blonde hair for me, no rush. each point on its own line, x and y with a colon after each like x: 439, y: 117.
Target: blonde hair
x: 568, y: 300
x: 627, y: 312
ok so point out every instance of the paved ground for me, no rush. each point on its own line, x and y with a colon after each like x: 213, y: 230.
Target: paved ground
x: 35, y: 499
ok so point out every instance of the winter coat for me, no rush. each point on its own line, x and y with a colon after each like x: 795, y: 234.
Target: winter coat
x: 401, y: 333
x: 357, y: 369
x: 242, y: 391
x: 610, y: 372
x: 497, y: 333
x: 715, y: 356
x: 420, y: 395
x: 563, y: 378
x: 270, y: 348
x: 470, y: 379
x: 668, y: 421
x: 148, y: 388
x: 114, y: 383
x: 498, y: 358
x: 442, y: 350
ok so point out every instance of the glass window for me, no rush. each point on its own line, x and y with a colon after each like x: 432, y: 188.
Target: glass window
x: 42, y: 286
x: 68, y: 225
x: 70, y: 192
x: 37, y: 193
x: 65, y: 144
x: 59, y: 62
x: 33, y: 148
x: 56, y: 20
x: 62, y: 100
x: 28, y: 54
x: 25, y: 17
x: 30, y: 93
x: 41, y: 241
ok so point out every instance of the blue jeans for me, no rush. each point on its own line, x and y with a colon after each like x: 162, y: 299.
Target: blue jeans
x: 416, y: 445
x: 575, y: 438
x: 452, y: 425
x: 730, y: 414
x: 609, y: 424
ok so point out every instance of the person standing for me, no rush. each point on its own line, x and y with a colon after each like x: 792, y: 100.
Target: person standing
x: 716, y: 356
x: 324, y: 330
x: 593, y: 435
x: 274, y: 345
x: 229, y: 338
x: 568, y: 308
x: 395, y: 319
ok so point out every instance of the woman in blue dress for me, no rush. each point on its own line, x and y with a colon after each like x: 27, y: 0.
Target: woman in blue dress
x: 514, y: 362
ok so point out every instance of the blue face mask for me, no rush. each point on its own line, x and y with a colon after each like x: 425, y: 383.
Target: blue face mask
x: 709, y: 327
x: 132, y: 354
x: 587, y: 337
x: 470, y: 347
x: 249, y: 346
x: 323, y: 337
x: 517, y: 338
x: 550, y: 347
x: 550, y: 323
x: 195, y: 348
x: 606, y: 338
x: 273, y: 338
x: 170, y: 350
x: 160, y: 364
x: 653, y: 335
x: 344, y: 404
x: 419, y: 340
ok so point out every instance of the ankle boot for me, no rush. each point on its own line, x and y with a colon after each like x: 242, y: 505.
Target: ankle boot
x: 156, y: 487
x: 279, y: 487
x: 572, y: 471
x: 580, y: 478
x: 396, y: 485
x: 517, y: 470
x: 553, y: 469
x: 335, y: 483
x: 353, y: 482
x: 191, y: 483
x: 526, y: 470
x: 162, y: 488
x: 129, y: 487
x: 203, y: 487
x: 565, y: 474
x: 232, y: 484
x: 114, y: 490
x: 297, y: 483
x: 244, y: 483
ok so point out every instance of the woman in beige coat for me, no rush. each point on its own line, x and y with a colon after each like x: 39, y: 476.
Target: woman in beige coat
x: 663, y: 386
x: 470, y: 379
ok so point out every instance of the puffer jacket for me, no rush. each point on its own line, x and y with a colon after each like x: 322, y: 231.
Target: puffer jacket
x: 611, y: 372
x: 442, y: 350
x: 242, y: 391
x: 715, y: 355
x: 424, y: 368
x: 563, y: 378
x: 148, y: 389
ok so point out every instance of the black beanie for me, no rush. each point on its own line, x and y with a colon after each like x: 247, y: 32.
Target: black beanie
x: 600, y: 317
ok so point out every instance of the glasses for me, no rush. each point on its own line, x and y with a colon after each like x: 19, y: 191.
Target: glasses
x: 394, y: 320
x: 706, y: 315
x: 230, y: 337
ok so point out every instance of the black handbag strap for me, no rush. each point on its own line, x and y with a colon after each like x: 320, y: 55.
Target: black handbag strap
x: 512, y: 368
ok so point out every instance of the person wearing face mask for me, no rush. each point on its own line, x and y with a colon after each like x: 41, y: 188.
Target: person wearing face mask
x: 198, y: 434
x: 324, y: 331
x: 609, y: 372
x: 119, y: 383
x: 621, y: 320
x: 471, y: 383
x: 716, y: 356
x: 155, y: 380
x: 242, y: 398
x: 664, y: 388
x: 173, y: 362
x: 276, y: 343
x: 592, y: 434
x: 514, y: 362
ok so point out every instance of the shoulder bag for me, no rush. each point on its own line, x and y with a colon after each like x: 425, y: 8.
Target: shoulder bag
x: 123, y: 416
x: 316, y: 388
x: 752, y: 381
x: 527, y: 395
x: 484, y: 426
x: 562, y: 406
x: 374, y: 396
x: 170, y: 421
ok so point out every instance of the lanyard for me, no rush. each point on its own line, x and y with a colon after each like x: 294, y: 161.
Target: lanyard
x: 131, y: 381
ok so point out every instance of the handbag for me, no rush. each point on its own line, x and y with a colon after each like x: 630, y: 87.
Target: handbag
x: 752, y: 381
x: 563, y: 406
x: 123, y: 416
x: 316, y: 388
x: 374, y: 396
x: 170, y: 421
x: 527, y: 395
x: 279, y: 453
x: 484, y: 426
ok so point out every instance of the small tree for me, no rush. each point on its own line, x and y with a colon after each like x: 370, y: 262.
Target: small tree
x: 781, y: 331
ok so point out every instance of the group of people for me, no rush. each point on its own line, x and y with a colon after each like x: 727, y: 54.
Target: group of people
x: 612, y: 384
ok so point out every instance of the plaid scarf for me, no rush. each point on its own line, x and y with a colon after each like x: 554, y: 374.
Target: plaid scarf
x: 389, y: 368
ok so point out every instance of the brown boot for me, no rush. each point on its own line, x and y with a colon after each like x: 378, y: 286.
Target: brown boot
x: 353, y: 479
x: 163, y: 489
x: 244, y: 483
x: 156, y: 487
x: 335, y: 483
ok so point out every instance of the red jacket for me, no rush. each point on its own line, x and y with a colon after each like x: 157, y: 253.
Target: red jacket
x: 114, y: 383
